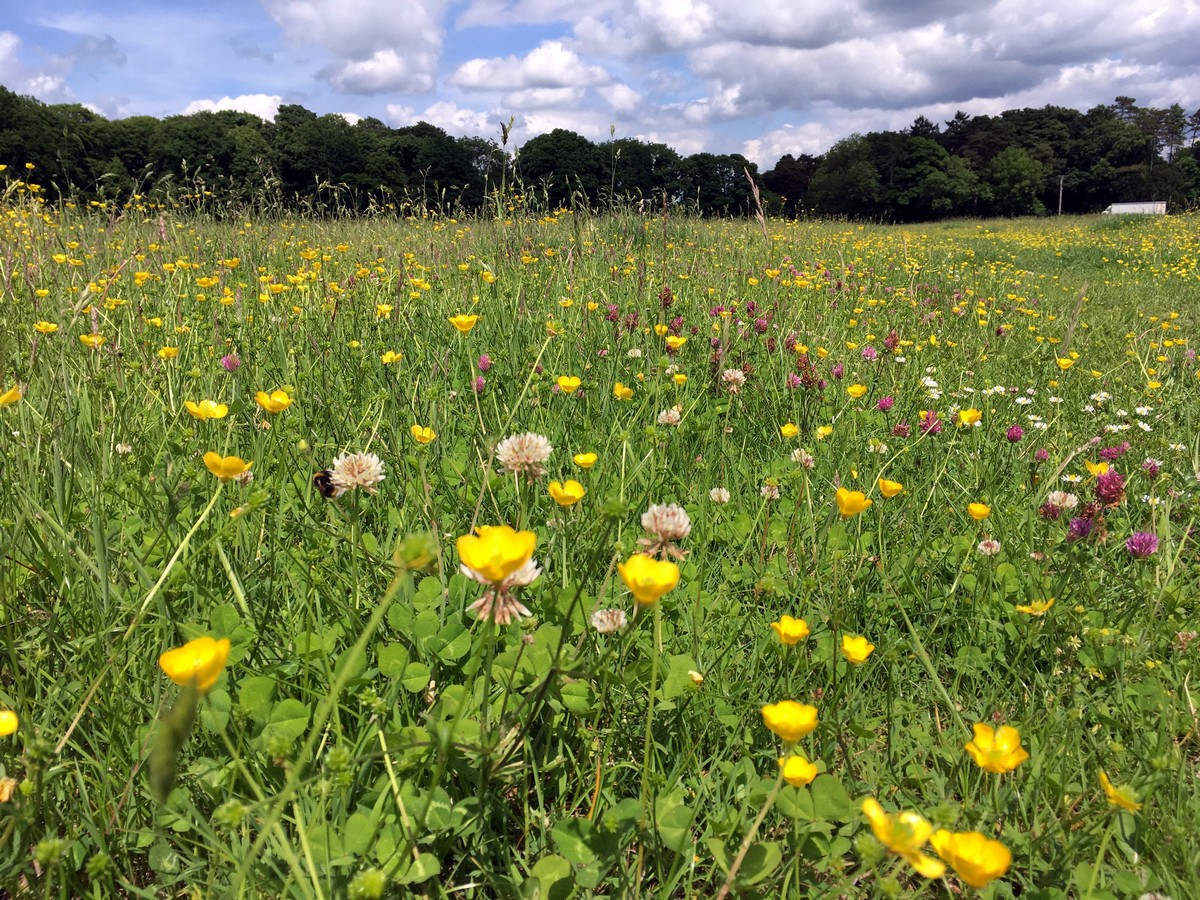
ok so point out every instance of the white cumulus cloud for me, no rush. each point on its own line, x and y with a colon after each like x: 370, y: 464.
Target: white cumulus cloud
x: 262, y: 105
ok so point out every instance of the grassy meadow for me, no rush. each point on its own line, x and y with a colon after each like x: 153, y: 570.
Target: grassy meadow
x: 962, y: 455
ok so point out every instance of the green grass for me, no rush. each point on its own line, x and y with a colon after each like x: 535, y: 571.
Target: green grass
x: 368, y: 727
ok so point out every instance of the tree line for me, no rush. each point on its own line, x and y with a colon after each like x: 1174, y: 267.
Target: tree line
x: 1017, y: 163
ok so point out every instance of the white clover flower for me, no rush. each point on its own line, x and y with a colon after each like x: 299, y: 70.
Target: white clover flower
x: 356, y: 470
x: 719, y: 495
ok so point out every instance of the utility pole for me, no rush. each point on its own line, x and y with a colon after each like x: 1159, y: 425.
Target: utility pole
x: 1060, y: 189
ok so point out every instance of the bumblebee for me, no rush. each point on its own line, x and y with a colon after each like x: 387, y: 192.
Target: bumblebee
x: 323, y: 482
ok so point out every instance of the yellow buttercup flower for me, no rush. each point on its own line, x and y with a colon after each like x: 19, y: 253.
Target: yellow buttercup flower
x: 675, y: 342
x: 856, y: 648
x: 12, y: 395
x: 206, y: 409
x: 464, y: 322
x: 390, y: 357
x: 978, y: 511
x: 9, y: 722
x: 584, y: 460
x: 789, y: 430
x: 566, y: 494
x: 621, y: 392
x: 198, y: 662
x: 1096, y: 468
x: 888, y: 488
x: 905, y: 835
x: 797, y: 771
x: 791, y: 631
x: 496, y: 551
x: 568, y: 384
x: 225, y: 467
x: 856, y: 391
x: 45, y: 328
x: 851, y: 503
x: 1119, y: 795
x: 92, y: 341
x: 168, y: 352
x: 824, y: 431
x: 647, y: 578
x: 790, y: 720
x: 996, y: 750
x: 1037, y: 607
x: 976, y: 858
x: 660, y: 329
x: 1065, y: 362
x: 274, y: 402
x: 968, y: 417
x: 422, y: 434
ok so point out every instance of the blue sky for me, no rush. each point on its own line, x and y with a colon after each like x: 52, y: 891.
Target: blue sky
x: 759, y: 77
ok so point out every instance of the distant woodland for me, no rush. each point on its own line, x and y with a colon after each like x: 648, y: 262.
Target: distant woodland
x: 1021, y: 162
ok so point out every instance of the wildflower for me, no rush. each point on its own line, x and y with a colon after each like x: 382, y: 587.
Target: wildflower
x: 769, y: 490
x: 1141, y: 544
x: 790, y: 720
x: 199, y: 662
x: 1096, y: 469
x: 889, y: 488
x: 422, y: 434
x: 1064, y: 362
x: 679, y: 378
x: 390, y: 357
x: 791, y: 631
x: 797, y: 771
x: 719, y: 495
x: 1110, y: 488
x: 851, y: 503
x: 166, y: 353
x: 905, y: 835
x: 621, y: 392
x: 734, y: 379
x: 478, y: 384
x: 123, y: 449
x: 824, y: 431
x: 45, y: 328
x: 803, y: 458
x: 789, y: 430
x: 356, y: 470
x: 1078, y: 528
x: 584, y: 460
x: 1037, y: 607
x: 675, y: 342
x: 1014, y: 434
x: 976, y: 858
x: 1151, y: 466
x: 647, y: 578
x: 92, y: 341
x: 225, y: 467
x: 207, y: 409
x: 996, y: 750
x: 856, y: 391
x: 988, y: 547
x: 568, y: 384
x: 274, y: 402
x: 485, y: 362
x: 566, y: 494
x: 499, y: 603
x: 667, y: 523
x: 856, y: 648
x: 495, y: 552
x: 12, y: 395
x: 969, y: 418
x: 230, y: 362
x: 609, y: 621
x: 884, y: 404
x: 670, y: 416
x: 463, y: 322
x: 1123, y: 795
x: 978, y: 511
x: 9, y: 722
x: 524, y: 454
